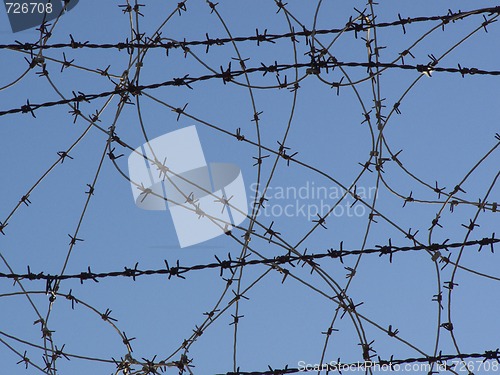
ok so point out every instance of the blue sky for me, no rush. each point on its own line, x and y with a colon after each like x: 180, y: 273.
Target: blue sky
x: 447, y: 124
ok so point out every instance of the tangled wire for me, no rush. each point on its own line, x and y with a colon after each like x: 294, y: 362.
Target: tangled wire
x: 335, y: 252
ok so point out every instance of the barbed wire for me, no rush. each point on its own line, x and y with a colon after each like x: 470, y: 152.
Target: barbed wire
x: 228, y: 75
x: 233, y: 264
x: 388, y: 364
x: 126, y: 88
x: 365, y: 24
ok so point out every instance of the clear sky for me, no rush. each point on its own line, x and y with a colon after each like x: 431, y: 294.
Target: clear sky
x: 446, y: 131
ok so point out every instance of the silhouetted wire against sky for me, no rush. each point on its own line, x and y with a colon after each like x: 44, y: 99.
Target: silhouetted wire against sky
x: 362, y: 139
